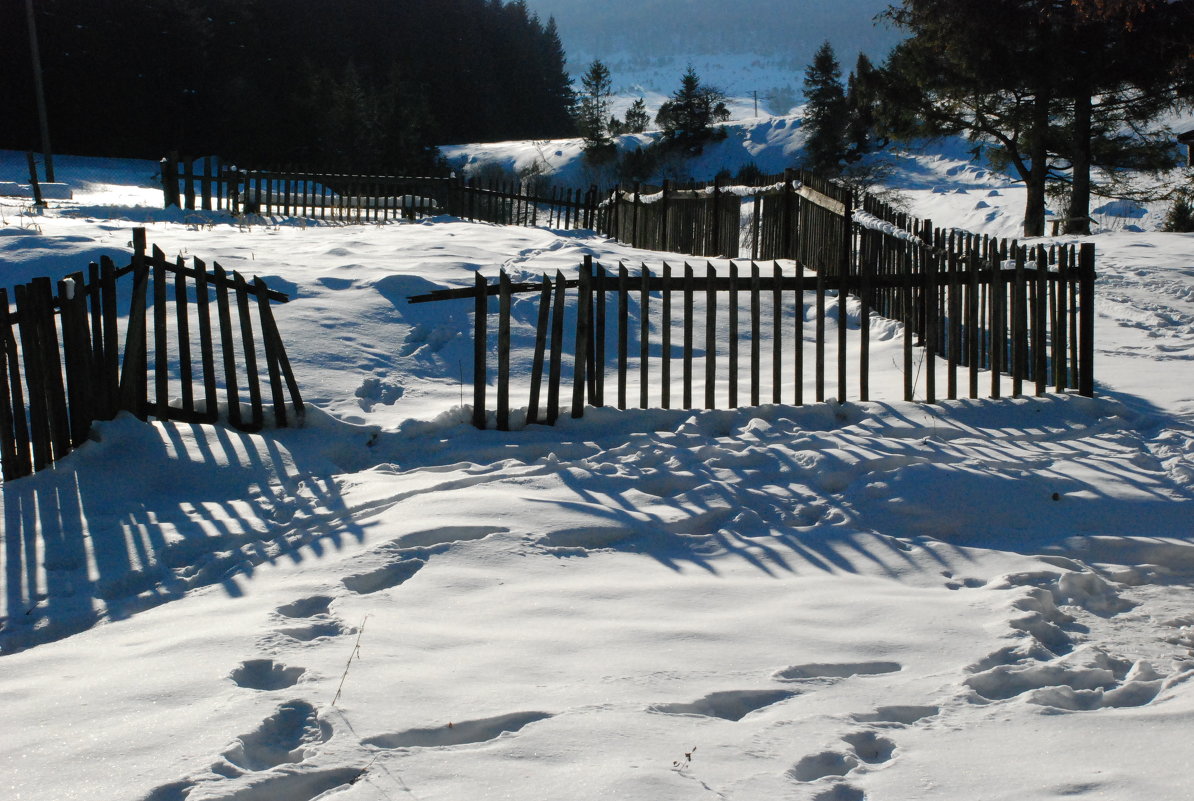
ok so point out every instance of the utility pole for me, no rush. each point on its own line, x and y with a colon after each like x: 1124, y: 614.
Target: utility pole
x: 39, y: 91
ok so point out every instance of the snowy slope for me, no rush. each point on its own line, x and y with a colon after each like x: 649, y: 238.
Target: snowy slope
x: 977, y: 599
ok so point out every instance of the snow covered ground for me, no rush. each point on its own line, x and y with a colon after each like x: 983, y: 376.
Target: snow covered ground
x: 972, y: 600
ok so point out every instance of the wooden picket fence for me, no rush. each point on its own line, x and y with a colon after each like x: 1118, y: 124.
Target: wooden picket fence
x: 62, y: 366
x: 796, y: 215
x: 981, y: 306
x: 211, y: 184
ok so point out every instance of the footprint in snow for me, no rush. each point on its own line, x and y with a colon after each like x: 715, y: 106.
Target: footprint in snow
x: 727, y: 705
x: 836, y: 670
x: 458, y: 733
x: 306, y: 607
x: 265, y: 674
x: 286, y: 736
x: 897, y: 715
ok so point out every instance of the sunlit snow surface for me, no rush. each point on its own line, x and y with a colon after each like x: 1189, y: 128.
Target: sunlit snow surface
x: 971, y: 600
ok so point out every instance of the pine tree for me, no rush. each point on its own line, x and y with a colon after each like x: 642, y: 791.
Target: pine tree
x: 825, y: 114
x: 687, y: 118
x: 593, y: 102
x: 637, y: 118
x: 1041, y: 87
x: 860, y: 135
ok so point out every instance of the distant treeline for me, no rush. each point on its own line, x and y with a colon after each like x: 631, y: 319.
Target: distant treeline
x: 336, y: 84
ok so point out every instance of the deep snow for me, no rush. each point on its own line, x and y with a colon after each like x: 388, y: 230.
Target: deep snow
x: 975, y: 599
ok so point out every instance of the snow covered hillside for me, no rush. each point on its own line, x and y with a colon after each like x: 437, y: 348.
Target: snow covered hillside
x: 842, y: 601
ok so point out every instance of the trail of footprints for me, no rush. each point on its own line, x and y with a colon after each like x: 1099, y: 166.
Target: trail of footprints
x: 862, y: 749
x: 267, y: 764
x: 1045, y: 665
x: 1049, y: 665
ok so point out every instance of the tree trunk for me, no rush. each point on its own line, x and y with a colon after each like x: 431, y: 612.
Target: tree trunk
x: 1038, y: 171
x: 1079, y: 211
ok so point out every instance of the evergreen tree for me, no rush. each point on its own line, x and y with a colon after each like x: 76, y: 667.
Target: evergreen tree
x: 592, y: 106
x: 1039, y: 86
x: 637, y: 118
x: 451, y: 71
x: 825, y: 114
x: 687, y: 118
x: 860, y: 133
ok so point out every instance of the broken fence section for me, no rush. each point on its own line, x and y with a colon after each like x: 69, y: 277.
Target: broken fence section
x: 192, y: 342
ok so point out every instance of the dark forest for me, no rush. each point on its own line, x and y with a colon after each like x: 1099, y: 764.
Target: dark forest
x: 350, y: 84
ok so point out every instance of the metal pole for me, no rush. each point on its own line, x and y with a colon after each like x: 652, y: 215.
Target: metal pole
x: 38, y: 90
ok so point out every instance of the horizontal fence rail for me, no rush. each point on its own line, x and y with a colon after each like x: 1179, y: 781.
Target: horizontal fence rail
x: 1024, y: 316
x: 210, y: 184
x: 191, y: 342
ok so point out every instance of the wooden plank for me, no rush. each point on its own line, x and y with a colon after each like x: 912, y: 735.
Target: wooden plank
x: 480, y: 349
x: 206, y: 342
x: 95, y: 315
x: 77, y: 357
x: 710, y: 337
x: 1061, y: 351
x: 866, y: 302
x: 269, y: 345
x: 161, y: 353
x: 228, y: 349
x: 665, y: 333
x: 908, y: 316
x: 930, y: 323
x: 974, y: 334
x: 644, y: 337
x: 249, y: 348
x: 597, y: 369
x: 557, y: 350
x: 110, y: 368
x: 798, y: 337
x: 1040, y: 299
x: 733, y: 331
x: 11, y: 441
x: 954, y: 305
x: 591, y: 348
x: 688, y: 315
x: 997, y: 326
x: 541, y: 329
x: 584, y: 333
x: 51, y: 365
x: 819, y: 364
x: 755, y: 333
x: 133, y: 372
x: 1086, y: 319
x: 503, y: 347
x: 1019, y: 332
x: 35, y: 382
x: 269, y: 332
x: 777, y: 335
x: 183, y: 326
x: 623, y: 331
